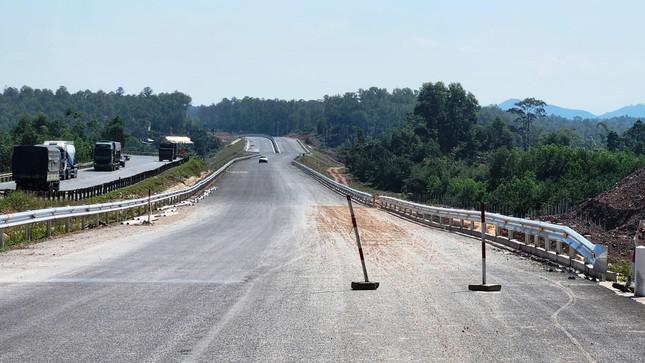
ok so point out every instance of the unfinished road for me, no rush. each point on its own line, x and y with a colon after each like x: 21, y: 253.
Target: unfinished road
x: 90, y: 177
x: 261, y: 270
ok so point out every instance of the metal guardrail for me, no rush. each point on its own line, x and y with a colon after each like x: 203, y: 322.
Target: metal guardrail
x: 96, y: 190
x: 538, y: 238
x: 302, y: 145
x: 44, y: 215
x: 357, y: 195
x: 100, y: 189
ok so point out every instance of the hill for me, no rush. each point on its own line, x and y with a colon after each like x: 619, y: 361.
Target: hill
x: 631, y: 110
x: 553, y: 110
x: 570, y: 113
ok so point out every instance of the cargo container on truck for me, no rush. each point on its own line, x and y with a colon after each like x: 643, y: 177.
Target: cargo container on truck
x: 36, y: 167
x: 68, y: 168
x: 167, y: 151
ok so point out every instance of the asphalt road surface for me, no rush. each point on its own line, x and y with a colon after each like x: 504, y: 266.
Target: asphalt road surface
x: 261, y: 271
x: 89, y: 177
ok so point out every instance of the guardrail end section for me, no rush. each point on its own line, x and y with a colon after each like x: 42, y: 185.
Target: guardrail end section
x: 600, y: 263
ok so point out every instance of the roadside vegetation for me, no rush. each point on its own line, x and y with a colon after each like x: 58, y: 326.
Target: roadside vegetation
x: 319, y: 161
x: 441, y: 152
x: 324, y: 162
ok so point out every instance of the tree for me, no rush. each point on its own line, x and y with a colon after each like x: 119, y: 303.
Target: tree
x: 146, y: 92
x: 114, y: 131
x: 613, y: 141
x: 563, y: 137
x: 527, y: 111
x: 634, y: 137
x: 24, y: 133
x: 450, y: 112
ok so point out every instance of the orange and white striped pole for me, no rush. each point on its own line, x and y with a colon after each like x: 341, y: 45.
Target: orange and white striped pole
x: 367, y: 284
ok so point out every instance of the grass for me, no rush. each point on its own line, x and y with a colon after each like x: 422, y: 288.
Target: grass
x: 622, y: 268
x: 225, y: 154
x: 169, y: 178
x: 321, y: 162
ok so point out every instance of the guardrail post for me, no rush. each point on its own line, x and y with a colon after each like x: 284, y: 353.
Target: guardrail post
x: 558, y: 247
x: 83, y: 221
x: 149, y: 207
x: 1, y: 238
x: 98, y: 221
x: 28, y: 232
x: 66, y: 225
x: 527, y: 238
x: 49, y: 229
x: 639, y: 268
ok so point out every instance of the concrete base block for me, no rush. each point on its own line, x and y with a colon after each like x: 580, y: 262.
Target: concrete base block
x: 485, y: 287
x: 362, y: 285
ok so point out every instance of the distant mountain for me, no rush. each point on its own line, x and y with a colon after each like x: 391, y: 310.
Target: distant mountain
x: 631, y: 110
x: 553, y: 110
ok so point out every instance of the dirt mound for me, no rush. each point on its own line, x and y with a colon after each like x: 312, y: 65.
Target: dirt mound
x: 620, y: 207
x: 611, y: 217
x: 627, y: 194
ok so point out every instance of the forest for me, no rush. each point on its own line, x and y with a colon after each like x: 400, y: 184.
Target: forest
x: 450, y: 149
x: 333, y: 118
x: 435, y: 143
x: 29, y: 116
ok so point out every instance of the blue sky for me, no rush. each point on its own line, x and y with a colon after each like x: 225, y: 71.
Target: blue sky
x: 574, y: 53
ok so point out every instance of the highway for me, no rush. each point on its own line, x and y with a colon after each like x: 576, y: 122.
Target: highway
x: 89, y: 177
x: 261, y: 270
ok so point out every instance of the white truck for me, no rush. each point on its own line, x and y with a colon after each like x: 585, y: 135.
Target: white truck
x: 68, y: 167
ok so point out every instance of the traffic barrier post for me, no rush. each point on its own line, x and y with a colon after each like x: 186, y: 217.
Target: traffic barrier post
x: 367, y: 284
x: 484, y: 286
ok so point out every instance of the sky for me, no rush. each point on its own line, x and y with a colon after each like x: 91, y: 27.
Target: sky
x: 579, y: 54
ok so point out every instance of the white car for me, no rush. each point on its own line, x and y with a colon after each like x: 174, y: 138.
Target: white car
x: 263, y: 159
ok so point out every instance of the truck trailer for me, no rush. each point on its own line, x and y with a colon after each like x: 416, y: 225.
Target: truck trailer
x: 68, y: 167
x: 36, y: 167
x: 107, y: 155
x: 167, y: 151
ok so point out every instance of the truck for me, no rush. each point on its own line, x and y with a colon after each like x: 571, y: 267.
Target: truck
x: 167, y: 151
x: 68, y: 167
x: 36, y: 167
x: 107, y: 155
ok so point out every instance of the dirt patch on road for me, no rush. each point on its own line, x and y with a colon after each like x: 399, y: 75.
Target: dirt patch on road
x: 386, y: 240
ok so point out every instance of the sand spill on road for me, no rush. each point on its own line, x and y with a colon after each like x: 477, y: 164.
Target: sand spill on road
x: 386, y: 239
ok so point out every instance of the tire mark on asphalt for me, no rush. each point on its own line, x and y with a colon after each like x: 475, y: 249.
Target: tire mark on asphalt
x: 556, y: 322
x: 202, y: 345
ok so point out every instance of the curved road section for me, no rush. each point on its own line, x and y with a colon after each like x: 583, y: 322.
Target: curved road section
x: 261, y: 271
x: 89, y: 177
